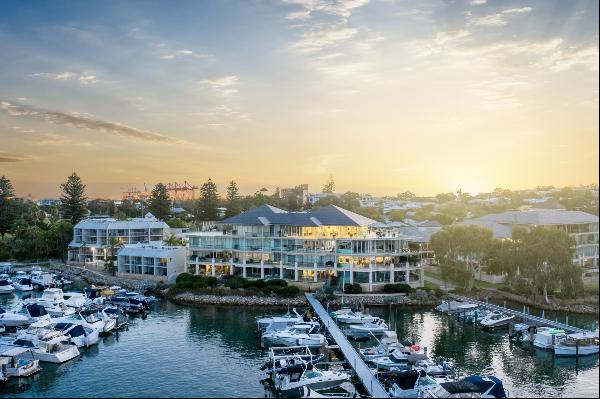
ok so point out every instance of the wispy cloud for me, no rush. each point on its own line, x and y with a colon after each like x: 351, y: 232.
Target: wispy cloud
x: 220, y: 116
x: 501, y: 18
x: 82, y: 121
x: 83, y: 78
x: 177, y: 53
x: 223, y: 85
x: 7, y: 157
x: 477, y: 2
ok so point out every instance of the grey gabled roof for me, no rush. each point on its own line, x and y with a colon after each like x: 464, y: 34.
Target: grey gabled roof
x: 330, y: 215
x: 540, y: 217
x: 498, y: 230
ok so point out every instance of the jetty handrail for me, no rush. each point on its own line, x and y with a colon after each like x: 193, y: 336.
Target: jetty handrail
x: 369, y: 381
x: 524, y: 316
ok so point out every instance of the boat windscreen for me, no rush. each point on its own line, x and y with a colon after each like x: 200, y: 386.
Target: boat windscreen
x: 3, y: 283
x: 2, y: 311
x: 36, y: 310
x: 25, y: 281
x: 77, y: 331
x: 63, y: 326
x: 23, y: 342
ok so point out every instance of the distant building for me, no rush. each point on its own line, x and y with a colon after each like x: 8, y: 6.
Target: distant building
x: 286, y: 192
x: 91, y: 236
x: 154, y: 261
x: 583, y: 227
x: 305, y: 247
x: 314, y: 198
x: 49, y: 202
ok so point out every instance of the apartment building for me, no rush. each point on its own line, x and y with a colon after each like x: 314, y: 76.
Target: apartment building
x: 267, y: 242
x: 154, y: 261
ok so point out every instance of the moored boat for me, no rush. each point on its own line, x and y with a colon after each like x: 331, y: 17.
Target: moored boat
x: 573, y: 345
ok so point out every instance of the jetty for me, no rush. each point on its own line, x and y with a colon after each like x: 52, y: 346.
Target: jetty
x: 362, y: 371
x: 523, y: 315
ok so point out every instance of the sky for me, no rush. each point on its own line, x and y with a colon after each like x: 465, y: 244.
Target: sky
x: 385, y: 96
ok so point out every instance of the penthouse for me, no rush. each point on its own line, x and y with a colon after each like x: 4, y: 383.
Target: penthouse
x: 267, y: 242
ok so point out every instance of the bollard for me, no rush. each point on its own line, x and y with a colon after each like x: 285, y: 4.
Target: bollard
x: 567, y: 321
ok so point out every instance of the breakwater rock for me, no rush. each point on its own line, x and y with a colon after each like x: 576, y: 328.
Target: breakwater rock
x: 238, y: 300
x: 97, y: 278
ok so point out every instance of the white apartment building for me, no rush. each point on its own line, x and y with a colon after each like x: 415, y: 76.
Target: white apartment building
x: 306, y: 247
x: 91, y: 236
x: 154, y: 261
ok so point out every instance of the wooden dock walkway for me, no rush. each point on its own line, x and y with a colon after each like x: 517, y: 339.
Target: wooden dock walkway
x: 524, y: 316
x: 369, y: 381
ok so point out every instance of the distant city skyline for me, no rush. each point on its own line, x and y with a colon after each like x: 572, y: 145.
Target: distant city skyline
x: 387, y: 96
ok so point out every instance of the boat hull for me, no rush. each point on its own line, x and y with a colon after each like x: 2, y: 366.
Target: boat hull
x: 571, y: 351
x: 57, y: 357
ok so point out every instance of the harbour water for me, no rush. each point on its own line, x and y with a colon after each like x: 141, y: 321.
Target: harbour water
x: 212, y: 351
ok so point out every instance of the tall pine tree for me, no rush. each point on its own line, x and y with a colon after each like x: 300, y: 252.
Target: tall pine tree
x: 7, y: 207
x: 160, y: 203
x: 233, y: 200
x: 208, y: 202
x: 73, y: 199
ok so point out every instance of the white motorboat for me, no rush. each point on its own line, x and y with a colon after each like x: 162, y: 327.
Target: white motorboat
x: 5, y: 276
x: 6, y: 287
x: 455, y: 307
x: 411, y: 383
x: 117, y: 314
x: 496, y: 320
x: 79, y: 335
x: 347, y: 316
x: 432, y: 368
x: 15, y: 367
x: 573, y: 345
x: 311, y: 378
x: 23, y: 284
x: 74, y: 299
x: 21, y: 274
x: 470, y: 387
x: 34, y: 312
x: 376, y: 327
x: 387, y: 344
x: 298, y: 335
x: 59, y: 310
x: 521, y: 333
x: 397, y: 360
x: 546, y: 337
x: 11, y: 319
x: 48, y: 348
x: 91, y: 319
x: 41, y: 279
x: 278, y: 322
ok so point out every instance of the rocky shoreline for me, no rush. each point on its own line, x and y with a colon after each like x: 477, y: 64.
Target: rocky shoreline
x: 88, y: 276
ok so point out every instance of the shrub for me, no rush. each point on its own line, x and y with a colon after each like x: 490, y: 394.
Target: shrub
x: 236, y: 282
x: 397, y: 288
x: 276, y: 282
x: 184, y: 277
x: 199, y: 283
x: 353, y: 289
x: 289, y: 291
x: 212, y: 282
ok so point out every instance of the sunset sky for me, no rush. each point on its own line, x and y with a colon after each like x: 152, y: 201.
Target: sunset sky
x: 386, y: 96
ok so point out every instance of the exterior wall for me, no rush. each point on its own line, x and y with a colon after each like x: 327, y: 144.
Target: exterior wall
x: 263, y: 252
x: 143, y: 261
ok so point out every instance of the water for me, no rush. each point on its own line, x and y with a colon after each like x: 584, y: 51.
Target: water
x: 212, y: 351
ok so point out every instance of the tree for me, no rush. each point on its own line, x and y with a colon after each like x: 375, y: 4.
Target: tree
x: 206, y: 209
x: 260, y: 198
x: 445, y: 197
x: 173, y: 241
x: 114, y: 243
x: 73, y: 199
x: 160, y: 203
x: 7, y: 208
x: 233, y: 200
x: 462, y: 248
x: 329, y: 187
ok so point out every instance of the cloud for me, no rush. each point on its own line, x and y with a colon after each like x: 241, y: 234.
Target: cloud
x: 499, y: 19
x: 82, y: 121
x: 223, y: 85
x: 221, y: 115
x: 323, y: 36
x: 340, y: 8
x: 477, y: 2
x: 83, y: 78
x: 177, y: 53
x: 7, y: 157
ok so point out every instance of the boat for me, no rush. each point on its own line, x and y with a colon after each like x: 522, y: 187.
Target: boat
x: 347, y: 316
x: 79, y: 335
x: 573, y: 345
x: 129, y: 305
x: 496, y: 320
x: 298, y: 335
x: 23, y: 284
x: 41, y: 280
x: 6, y: 287
x: 432, y: 368
x: 409, y: 383
x: 455, y: 307
x: 546, y: 337
x: 275, y: 323
x: 117, y: 314
x: 94, y: 296
x: 387, y: 344
x: 75, y: 299
x: 375, y: 327
x: 90, y: 318
x: 469, y: 387
x: 521, y: 332
x: 15, y: 367
x: 397, y: 360
x: 312, y: 378
x: 48, y: 348
x: 34, y: 312
x: 11, y: 319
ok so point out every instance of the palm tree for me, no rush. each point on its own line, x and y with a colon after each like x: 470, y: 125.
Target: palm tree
x: 114, y: 243
x: 173, y: 241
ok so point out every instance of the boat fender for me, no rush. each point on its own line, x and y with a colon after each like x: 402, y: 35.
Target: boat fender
x: 416, y: 347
